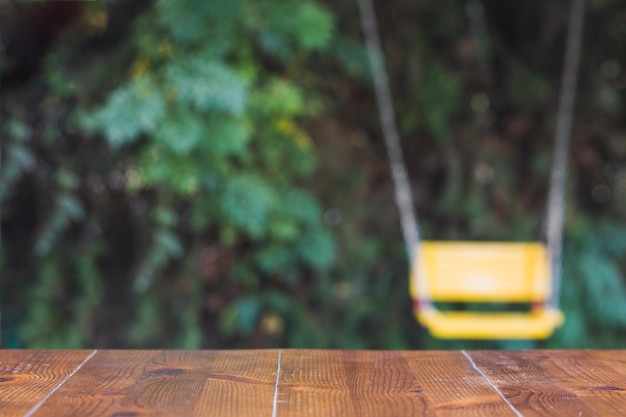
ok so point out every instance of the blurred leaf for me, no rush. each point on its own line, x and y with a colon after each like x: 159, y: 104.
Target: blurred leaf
x: 317, y: 249
x: 247, y: 202
x: 299, y: 205
x: 275, y: 259
x: 207, y: 85
x: 311, y: 25
x: 241, y: 316
x: 439, y: 97
x: 181, y: 132
x: 279, y: 96
x: 131, y: 110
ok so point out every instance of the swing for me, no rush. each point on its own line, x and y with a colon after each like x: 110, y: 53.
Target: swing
x: 484, y: 272
x: 526, y: 274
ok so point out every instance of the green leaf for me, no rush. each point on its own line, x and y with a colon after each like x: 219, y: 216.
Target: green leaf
x: 282, y: 25
x: 605, y: 287
x: 170, y: 243
x: 241, y: 316
x: 18, y: 130
x: 614, y: 239
x: 317, y: 248
x: 299, y: 205
x: 131, y: 110
x: 207, y: 84
x: 181, y: 131
x: 280, y: 96
x: 193, y: 20
x: 274, y: 259
x: 18, y: 160
x: 352, y: 55
x: 312, y: 25
x: 247, y: 202
x: 282, y: 229
x: 226, y: 136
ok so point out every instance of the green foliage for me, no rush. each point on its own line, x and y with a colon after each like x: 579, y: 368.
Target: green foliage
x: 122, y: 126
x: 241, y: 316
x: 279, y: 96
x: 198, y: 132
x: 163, y: 171
x: 351, y: 55
x: 247, y: 203
x: 316, y: 248
x: 594, y: 288
x: 280, y: 25
x: 439, y: 98
x: 17, y: 159
x: 205, y: 84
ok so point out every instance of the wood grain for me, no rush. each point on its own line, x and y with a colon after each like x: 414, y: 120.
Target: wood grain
x: 27, y: 376
x: 242, y: 384
x: 295, y: 383
x: 166, y: 383
x: 454, y: 388
x: 559, y: 383
x: 376, y: 383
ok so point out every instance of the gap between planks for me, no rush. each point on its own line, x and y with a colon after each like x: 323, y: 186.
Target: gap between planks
x: 274, y: 403
x: 44, y: 399
x: 496, y: 389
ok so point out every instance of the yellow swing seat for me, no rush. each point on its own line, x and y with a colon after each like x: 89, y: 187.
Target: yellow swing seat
x: 484, y: 272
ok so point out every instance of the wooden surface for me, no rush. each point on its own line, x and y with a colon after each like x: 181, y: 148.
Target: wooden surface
x: 118, y: 383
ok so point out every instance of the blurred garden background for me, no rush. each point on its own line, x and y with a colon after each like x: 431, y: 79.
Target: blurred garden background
x: 211, y: 174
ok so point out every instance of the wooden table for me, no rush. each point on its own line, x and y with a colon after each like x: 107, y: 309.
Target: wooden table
x: 119, y: 383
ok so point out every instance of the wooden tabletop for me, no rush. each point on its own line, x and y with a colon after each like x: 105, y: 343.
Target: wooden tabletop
x: 271, y: 383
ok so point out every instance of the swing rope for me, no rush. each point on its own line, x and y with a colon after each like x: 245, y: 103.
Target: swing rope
x: 555, y: 211
x: 556, y: 195
x: 402, y: 188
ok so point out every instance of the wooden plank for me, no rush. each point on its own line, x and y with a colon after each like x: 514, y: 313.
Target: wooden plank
x: 27, y: 376
x: 167, y: 383
x: 559, y: 383
x: 453, y: 387
x: 286, y: 383
x: 242, y: 384
x: 129, y: 383
x: 599, y: 377
x: 376, y: 383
